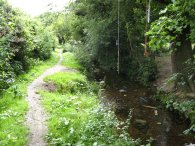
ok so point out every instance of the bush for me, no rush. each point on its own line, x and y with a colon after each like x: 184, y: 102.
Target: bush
x: 147, y: 71
x: 23, y: 41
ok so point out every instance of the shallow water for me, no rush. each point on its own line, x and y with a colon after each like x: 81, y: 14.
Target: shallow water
x: 149, y: 119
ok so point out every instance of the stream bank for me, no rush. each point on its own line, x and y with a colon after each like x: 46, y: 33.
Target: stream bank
x: 150, y: 120
x: 75, y: 115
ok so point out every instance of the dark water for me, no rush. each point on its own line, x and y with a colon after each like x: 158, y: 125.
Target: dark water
x: 149, y: 119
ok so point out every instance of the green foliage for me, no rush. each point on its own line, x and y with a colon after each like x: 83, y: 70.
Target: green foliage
x: 182, y: 102
x: 90, y: 27
x: 13, y: 106
x: 103, y: 128
x: 190, y: 69
x: 23, y: 42
x: 94, y: 28
x: 142, y: 71
x: 45, y: 42
x: 184, y: 106
x: 184, y: 81
x: 68, y: 82
x: 67, y: 113
x: 76, y: 118
x: 174, y: 19
x: 59, y: 23
x: 70, y: 61
x: 147, y: 71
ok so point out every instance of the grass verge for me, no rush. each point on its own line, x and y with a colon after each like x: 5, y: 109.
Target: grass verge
x: 13, y: 106
x: 70, y: 61
x: 76, y: 116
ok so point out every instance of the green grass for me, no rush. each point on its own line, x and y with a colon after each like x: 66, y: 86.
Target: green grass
x: 76, y: 116
x: 70, y: 61
x: 66, y: 77
x: 67, y: 114
x: 13, y: 106
x: 68, y: 109
x: 68, y: 82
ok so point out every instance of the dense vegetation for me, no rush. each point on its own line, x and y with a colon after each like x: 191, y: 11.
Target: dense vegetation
x: 90, y: 27
x: 23, y: 42
x: 24, y: 45
x: 147, y: 29
x: 13, y: 105
x: 174, y: 32
x: 76, y: 115
x: 123, y: 36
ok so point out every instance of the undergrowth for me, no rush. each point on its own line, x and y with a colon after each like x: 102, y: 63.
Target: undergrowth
x: 183, y: 106
x: 182, y: 99
x: 13, y: 106
x: 76, y: 116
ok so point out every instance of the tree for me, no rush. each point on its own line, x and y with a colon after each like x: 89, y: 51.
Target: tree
x: 172, y: 32
x: 23, y: 41
x: 95, y: 25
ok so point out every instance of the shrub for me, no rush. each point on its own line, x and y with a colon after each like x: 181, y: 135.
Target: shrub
x: 23, y: 41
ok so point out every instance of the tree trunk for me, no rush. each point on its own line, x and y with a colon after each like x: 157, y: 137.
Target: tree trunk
x: 179, y: 56
x: 181, y: 53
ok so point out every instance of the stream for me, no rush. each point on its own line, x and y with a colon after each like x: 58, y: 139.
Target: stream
x: 149, y: 118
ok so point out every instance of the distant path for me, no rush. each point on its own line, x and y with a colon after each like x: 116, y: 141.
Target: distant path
x: 36, y: 117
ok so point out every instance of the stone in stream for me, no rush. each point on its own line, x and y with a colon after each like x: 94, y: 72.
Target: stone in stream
x: 140, y: 121
x: 102, y: 82
x: 122, y: 91
x: 140, y: 124
x: 144, y: 99
x: 168, y: 129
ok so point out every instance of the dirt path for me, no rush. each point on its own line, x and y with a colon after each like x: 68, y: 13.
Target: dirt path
x: 36, y: 117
